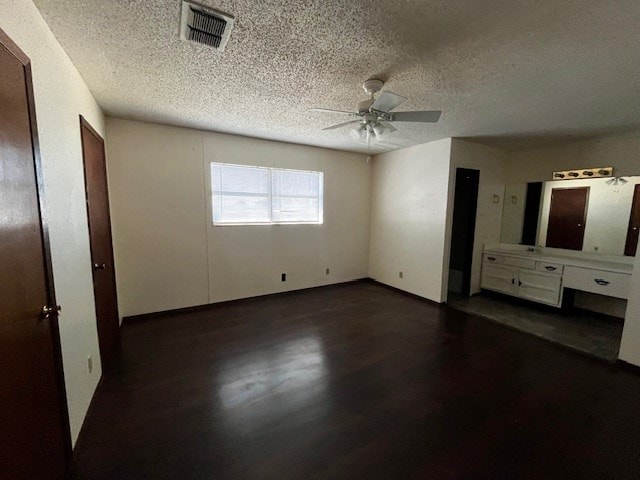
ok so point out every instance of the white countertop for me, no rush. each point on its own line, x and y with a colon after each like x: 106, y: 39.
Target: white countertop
x: 610, y: 263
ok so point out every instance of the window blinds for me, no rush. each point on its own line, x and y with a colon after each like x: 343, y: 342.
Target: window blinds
x: 258, y: 195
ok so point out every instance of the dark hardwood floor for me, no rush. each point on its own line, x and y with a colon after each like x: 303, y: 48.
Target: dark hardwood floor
x: 355, y: 381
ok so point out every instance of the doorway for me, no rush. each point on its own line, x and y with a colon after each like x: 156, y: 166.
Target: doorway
x: 104, y: 280
x: 463, y: 229
x: 34, y: 424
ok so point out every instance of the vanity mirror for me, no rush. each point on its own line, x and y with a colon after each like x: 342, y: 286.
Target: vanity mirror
x: 597, y: 215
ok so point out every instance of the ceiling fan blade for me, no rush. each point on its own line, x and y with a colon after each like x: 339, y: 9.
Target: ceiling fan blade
x: 429, y: 116
x: 327, y: 110
x: 387, y: 101
x: 388, y: 126
x: 332, y: 127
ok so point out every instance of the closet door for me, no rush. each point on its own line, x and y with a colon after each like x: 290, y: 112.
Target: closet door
x: 567, y: 216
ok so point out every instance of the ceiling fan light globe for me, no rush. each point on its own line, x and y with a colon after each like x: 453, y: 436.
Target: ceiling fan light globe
x: 357, y: 132
x: 378, y: 130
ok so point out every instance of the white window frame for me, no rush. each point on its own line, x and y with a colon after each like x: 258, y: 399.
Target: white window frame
x: 270, y: 170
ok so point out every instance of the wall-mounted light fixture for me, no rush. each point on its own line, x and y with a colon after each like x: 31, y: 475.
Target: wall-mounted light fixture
x: 584, y: 173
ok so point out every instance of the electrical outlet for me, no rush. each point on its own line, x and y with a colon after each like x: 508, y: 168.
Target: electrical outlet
x: 327, y: 272
x: 89, y: 363
x: 401, y: 274
x: 283, y: 277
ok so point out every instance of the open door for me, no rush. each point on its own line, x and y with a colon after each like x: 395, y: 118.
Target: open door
x: 104, y: 280
x: 463, y: 230
x: 34, y: 427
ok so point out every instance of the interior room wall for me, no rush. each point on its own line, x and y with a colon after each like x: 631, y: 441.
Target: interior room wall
x: 156, y: 189
x: 167, y: 253
x: 409, y: 195
x: 492, y: 165
x: 537, y: 165
x: 514, y: 203
x: 252, y: 258
x: 60, y: 97
x: 630, y: 345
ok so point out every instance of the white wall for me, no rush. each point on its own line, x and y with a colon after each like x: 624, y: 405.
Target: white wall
x: 61, y: 96
x: 537, y: 165
x: 156, y: 189
x: 410, y: 191
x: 248, y: 260
x: 514, y: 203
x: 630, y: 345
x: 491, y: 163
x: 167, y: 253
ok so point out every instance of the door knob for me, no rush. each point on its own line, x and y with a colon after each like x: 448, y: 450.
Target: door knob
x: 47, y: 311
x: 99, y: 266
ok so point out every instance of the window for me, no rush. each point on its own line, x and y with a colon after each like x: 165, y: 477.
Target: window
x: 244, y: 195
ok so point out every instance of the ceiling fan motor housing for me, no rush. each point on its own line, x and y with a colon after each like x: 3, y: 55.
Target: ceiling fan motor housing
x: 373, y: 85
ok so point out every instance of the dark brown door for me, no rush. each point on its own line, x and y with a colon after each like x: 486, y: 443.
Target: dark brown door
x: 34, y: 428
x: 634, y: 225
x: 104, y: 280
x: 567, y: 216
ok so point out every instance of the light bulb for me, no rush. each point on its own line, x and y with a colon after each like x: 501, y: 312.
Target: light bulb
x: 356, y: 132
x: 378, y: 130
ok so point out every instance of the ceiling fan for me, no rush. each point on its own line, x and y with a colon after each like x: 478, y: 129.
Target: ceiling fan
x: 375, y: 116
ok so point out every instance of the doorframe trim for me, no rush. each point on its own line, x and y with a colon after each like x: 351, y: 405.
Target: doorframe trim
x: 12, y: 47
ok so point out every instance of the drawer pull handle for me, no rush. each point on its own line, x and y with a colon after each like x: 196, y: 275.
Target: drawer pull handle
x: 600, y: 281
x: 491, y: 259
x: 551, y: 269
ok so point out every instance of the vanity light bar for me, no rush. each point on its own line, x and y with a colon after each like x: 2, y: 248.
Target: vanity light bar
x: 584, y: 173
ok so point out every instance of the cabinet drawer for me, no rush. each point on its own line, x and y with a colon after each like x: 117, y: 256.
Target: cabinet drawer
x: 498, y: 278
x: 540, y: 287
x: 519, y: 262
x: 492, y: 259
x: 549, y: 267
x: 591, y: 280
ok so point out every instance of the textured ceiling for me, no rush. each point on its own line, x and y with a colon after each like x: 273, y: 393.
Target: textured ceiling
x: 516, y: 73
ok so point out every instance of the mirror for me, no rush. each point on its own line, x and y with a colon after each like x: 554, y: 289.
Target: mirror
x: 592, y: 215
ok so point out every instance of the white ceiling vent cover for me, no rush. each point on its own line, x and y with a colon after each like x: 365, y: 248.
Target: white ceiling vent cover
x: 205, y: 26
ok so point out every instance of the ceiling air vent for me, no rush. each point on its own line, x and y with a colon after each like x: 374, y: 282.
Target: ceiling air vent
x: 204, y: 25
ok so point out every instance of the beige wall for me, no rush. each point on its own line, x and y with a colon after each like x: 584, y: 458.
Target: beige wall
x: 168, y: 255
x: 410, y: 189
x: 537, y: 165
x: 156, y: 189
x: 630, y: 345
x: 248, y: 260
x: 61, y: 96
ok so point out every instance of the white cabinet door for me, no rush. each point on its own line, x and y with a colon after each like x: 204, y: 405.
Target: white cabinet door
x: 539, y: 287
x: 499, y: 278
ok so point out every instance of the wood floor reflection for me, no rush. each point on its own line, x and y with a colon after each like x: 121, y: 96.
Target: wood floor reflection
x: 354, y: 381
